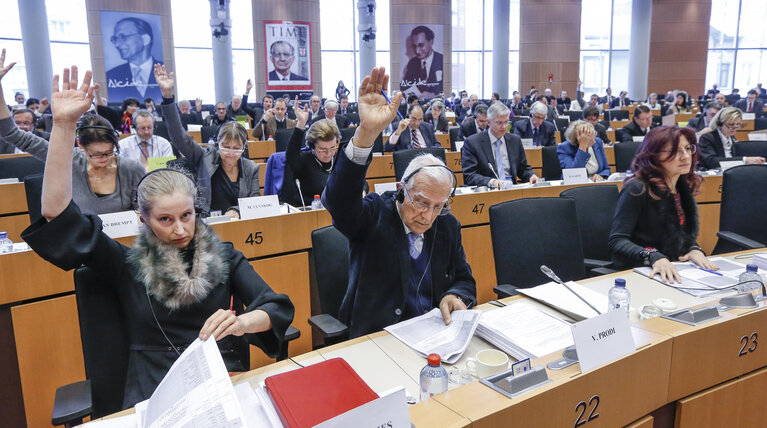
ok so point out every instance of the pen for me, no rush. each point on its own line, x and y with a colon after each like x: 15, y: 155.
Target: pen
x: 231, y: 303
x: 389, y: 101
x: 707, y: 270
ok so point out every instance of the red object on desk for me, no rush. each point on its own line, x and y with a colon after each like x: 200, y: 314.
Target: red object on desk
x: 313, y: 394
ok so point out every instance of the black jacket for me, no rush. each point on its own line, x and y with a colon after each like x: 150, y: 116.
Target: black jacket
x: 711, y: 150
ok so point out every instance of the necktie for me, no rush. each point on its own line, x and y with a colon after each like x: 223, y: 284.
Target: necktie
x: 411, y: 237
x: 749, y: 107
x: 138, y: 81
x: 144, y: 153
x: 535, y: 136
x: 499, y: 159
x: 414, y: 139
x: 422, y: 72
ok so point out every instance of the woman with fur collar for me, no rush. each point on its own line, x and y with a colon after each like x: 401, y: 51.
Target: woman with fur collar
x: 656, y: 219
x: 175, y: 284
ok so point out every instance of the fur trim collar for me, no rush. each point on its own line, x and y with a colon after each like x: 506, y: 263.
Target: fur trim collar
x: 163, y: 271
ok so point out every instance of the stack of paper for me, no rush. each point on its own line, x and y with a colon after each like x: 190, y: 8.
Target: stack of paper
x: 524, y: 331
x: 700, y: 282
x: 563, y: 300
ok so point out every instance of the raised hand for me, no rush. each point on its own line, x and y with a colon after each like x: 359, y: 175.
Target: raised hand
x: 302, y: 113
x: 375, y: 112
x: 44, y: 104
x: 198, y: 104
x: 69, y: 102
x: 164, y: 80
x: 248, y: 86
x: 4, y: 69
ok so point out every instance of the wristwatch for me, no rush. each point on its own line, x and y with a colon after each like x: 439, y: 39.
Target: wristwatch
x: 645, y: 253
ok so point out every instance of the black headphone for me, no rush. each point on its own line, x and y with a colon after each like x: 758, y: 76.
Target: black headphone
x: 113, y: 136
x: 400, y: 195
x: 241, y: 132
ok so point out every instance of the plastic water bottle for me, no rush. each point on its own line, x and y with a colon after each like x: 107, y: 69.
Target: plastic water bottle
x: 433, y: 378
x: 211, y: 141
x: 619, y: 297
x: 750, y: 280
x: 6, y: 245
x: 316, y: 203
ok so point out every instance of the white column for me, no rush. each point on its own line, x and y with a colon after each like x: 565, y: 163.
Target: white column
x: 367, y: 31
x: 37, y: 47
x: 500, y: 47
x: 639, y: 55
x: 221, y: 33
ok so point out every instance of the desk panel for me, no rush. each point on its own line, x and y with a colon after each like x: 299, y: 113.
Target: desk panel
x: 269, y: 235
x: 381, y: 166
x: 13, y: 198
x: 14, y: 225
x: 479, y: 254
x: 261, y: 149
x: 26, y: 275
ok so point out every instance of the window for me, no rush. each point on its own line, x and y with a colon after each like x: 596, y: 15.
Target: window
x: 68, y: 32
x: 10, y: 32
x: 737, y: 56
x: 605, y: 41
x: 473, y: 50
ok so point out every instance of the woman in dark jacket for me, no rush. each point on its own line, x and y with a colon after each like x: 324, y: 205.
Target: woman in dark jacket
x: 176, y: 283
x: 656, y: 219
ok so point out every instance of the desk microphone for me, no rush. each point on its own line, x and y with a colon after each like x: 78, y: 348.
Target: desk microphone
x: 490, y: 164
x: 550, y: 273
x: 298, y: 184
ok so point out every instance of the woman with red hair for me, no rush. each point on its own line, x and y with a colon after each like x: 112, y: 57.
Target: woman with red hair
x: 656, y: 219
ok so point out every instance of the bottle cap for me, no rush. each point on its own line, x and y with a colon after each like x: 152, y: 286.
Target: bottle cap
x: 434, y: 359
x: 3, y: 235
x: 620, y: 282
x: 752, y: 268
x: 316, y: 196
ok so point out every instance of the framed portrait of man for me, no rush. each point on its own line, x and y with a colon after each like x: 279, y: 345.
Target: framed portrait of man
x: 422, y: 47
x: 288, y: 55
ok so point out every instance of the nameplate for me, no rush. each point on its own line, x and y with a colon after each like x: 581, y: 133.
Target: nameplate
x: 749, y: 116
x: 574, y: 176
x: 757, y: 136
x: 390, y: 411
x: 602, y: 339
x: 157, y: 163
x: 259, y: 206
x: 725, y: 165
x: 638, y: 138
x: 527, y: 143
x: 193, y: 128
x: 385, y: 187
x: 118, y: 225
x: 458, y: 145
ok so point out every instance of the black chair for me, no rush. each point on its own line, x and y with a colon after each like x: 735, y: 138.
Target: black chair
x: 161, y: 130
x: 282, y: 139
x: 455, y: 135
x: 330, y: 266
x: 353, y: 117
x: 378, y: 145
x: 743, y: 209
x: 20, y: 167
x: 595, y: 207
x: 208, y: 132
x: 347, y: 134
x: 616, y: 114
x: 574, y: 115
x: 561, y: 124
x: 749, y: 148
x: 33, y: 187
x: 624, y: 154
x: 760, y: 123
x: 402, y: 158
x: 552, y: 169
x: 555, y: 242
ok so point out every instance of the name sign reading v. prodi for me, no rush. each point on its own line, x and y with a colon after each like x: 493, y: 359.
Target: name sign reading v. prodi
x: 118, y: 225
x: 259, y: 206
x: 574, y: 176
x: 602, y: 339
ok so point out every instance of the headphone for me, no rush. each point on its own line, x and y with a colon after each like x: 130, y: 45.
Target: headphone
x: 241, y: 132
x: 400, y: 195
x: 113, y: 136
x: 135, y: 116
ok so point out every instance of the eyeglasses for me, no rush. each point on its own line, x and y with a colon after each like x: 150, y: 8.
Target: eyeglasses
x: 422, y: 207
x: 282, y: 55
x: 501, y: 122
x: 733, y: 127
x: 539, y: 117
x: 327, y: 151
x: 120, y: 38
x: 104, y: 155
x: 231, y: 151
x: 686, y: 150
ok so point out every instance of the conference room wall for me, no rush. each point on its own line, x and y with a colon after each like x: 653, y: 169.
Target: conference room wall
x: 427, y: 12
x: 285, y: 10
x: 157, y: 7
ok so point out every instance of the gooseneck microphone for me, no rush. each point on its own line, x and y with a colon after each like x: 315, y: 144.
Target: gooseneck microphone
x: 550, y: 273
x: 301, y: 195
x: 490, y: 164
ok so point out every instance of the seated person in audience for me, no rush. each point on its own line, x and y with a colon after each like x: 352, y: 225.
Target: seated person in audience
x: 495, y: 158
x: 189, y: 116
x: 721, y: 99
x: 231, y: 176
x: 314, y: 105
x: 656, y: 219
x: 412, y: 133
x: 639, y: 126
x: 531, y: 97
x: 716, y: 146
x: 435, y: 117
x: 313, y: 167
x: 652, y: 102
x: 474, y: 124
x: 221, y: 116
x: 701, y: 121
x: 594, y: 102
x: 151, y: 108
x: 25, y: 120
x: 608, y: 98
x: 578, y: 103
x: 19, y: 97
x: 275, y: 118
x: 120, y: 119
x: 462, y: 111
x: 750, y: 104
x: 33, y: 104
x: 680, y: 104
x: 404, y: 257
x: 555, y: 109
x: 495, y: 97
x: 591, y: 115
x: 144, y: 144
x: 564, y: 100
x: 583, y: 150
x: 239, y: 104
x: 329, y: 111
x: 343, y: 106
x: 516, y: 102
x: 178, y: 275
x: 537, y: 128
x: 621, y: 101
x: 712, y: 92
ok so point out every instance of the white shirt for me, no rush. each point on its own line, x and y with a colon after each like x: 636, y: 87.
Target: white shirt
x: 158, y: 147
x: 429, y: 59
x: 420, y: 140
x: 142, y: 71
x: 727, y: 143
x: 504, y: 156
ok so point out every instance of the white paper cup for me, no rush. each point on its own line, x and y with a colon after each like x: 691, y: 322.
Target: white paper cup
x: 487, y: 363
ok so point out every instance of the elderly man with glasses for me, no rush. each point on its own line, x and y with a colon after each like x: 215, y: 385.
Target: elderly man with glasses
x: 405, y: 251
x: 537, y: 128
x: 412, y: 133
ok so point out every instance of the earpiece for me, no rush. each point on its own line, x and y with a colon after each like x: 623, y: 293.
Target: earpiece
x: 400, y: 195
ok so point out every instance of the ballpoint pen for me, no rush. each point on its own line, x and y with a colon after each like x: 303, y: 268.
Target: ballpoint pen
x: 389, y: 101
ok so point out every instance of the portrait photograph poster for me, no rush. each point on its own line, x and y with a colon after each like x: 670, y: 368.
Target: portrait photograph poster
x: 132, y: 44
x: 421, y: 59
x: 287, y: 51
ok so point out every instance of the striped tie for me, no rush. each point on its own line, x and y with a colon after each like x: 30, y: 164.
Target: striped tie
x: 411, y: 237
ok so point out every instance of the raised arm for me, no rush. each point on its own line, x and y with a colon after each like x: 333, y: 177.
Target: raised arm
x: 68, y: 103
x: 375, y: 112
x: 178, y: 137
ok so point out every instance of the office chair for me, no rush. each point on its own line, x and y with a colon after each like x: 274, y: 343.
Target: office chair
x: 624, y: 154
x: 743, y: 209
x: 33, y: 187
x: 595, y: 207
x: 20, y: 167
x: 282, y: 139
x: 749, y: 148
x: 523, y: 240
x: 208, y: 132
x: 402, y: 158
x: 353, y: 117
x: 455, y: 135
x: 330, y: 266
x: 552, y: 169
x: 347, y: 134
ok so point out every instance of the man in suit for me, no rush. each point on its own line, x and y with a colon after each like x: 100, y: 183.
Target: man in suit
x: 750, y: 104
x: 25, y: 120
x: 477, y: 123
x: 133, y: 40
x: 591, y: 115
x: 282, y: 54
x: 608, y: 98
x: 495, y: 158
x: 424, y: 70
x: 343, y: 107
x: 220, y: 118
x: 531, y: 97
x: 275, y: 118
x: 537, y: 128
x: 594, y: 102
x: 712, y: 92
x: 701, y: 122
x: 405, y: 258
x: 639, y: 126
x: 188, y: 115
x: 314, y: 107
x: 330, y: 111
x: 564, y: 100
x: 462, y: 110
x: 412, y: 133
x: 621, y: 101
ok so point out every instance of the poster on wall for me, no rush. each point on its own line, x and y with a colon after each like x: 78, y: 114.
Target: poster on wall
x: 422, y: 47
x: 288, y: 61
x: 132, y: 44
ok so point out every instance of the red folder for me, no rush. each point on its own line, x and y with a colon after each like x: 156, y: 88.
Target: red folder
x: 313, y: 394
